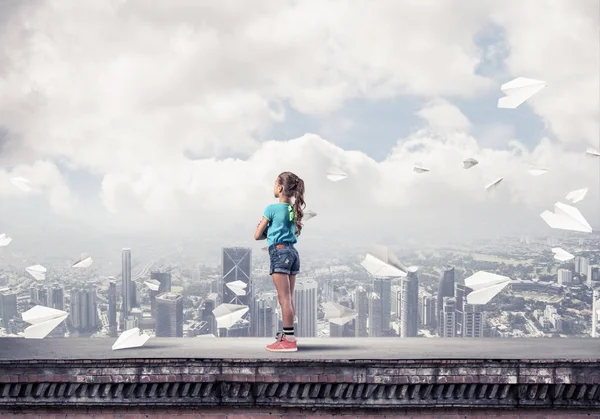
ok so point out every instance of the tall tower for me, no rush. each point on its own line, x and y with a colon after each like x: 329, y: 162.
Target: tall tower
x: 112, y: 307
x: 361, y: 302
x: 169, y: 315
x: 445, y: 289
x: 448, y: 318
x: 56, y: 297
x: 8, y: 307
x: 84, y: 310
x: 237, y: 266
x: 383, y: 287
x: 409, y: 323
x: 211, y: 302
x: 126, y: 281
x: 595, y: 296
x: 429, y: 317
x: 461, y: 291
x: 264, y: 318
x: 473, y: 321
x: 305, y: 303
x: 374, y: 315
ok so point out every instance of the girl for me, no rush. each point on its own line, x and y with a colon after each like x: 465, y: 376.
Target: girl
x: 283, y: 223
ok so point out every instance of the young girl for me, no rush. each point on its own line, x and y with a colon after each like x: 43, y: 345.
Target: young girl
x: 284, y: 223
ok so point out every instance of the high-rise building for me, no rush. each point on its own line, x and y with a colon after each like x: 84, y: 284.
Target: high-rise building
x: 581, y: 265
x: 133, y: 295
x: 237, y: 266
x: 8, y: 307
x: 593, y: 275
x: 428, y: 316
x: 473, y: 321
x: 264, y: 318
x: 564, y: 276
x: 169, y: 315
x: 164, y: 278
x: 396, y: 301
x: 447, y: 323
x: 374, y: 315
x: 409, y: 322
x: 211, y: 302
x: 84, y: 310
x: 383, y: 287
x: 461, y: 292
x: 56, y: 297
x: 305, y: 304
x: 445, y: 289
x: 126, y: 281
x: 346, y: 330
x: 112, y: 307
x: 361, y: 302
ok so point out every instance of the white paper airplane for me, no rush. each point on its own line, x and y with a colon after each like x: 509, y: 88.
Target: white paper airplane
x: 485, y: 286
x: 470, y: 162
x: 561, y: 254
x: 518, y: 91
x: 536, y: 171
x: 238, y: 287
x: 380, y: 261
x: 566, y: 217
x: 84, y: 262
x: 494, y: 184
x: 592, y: 152
x: 21, y: 183
x: 338, y: 314
x: 419, y: 168
x: 131, y: 338
x: 334, y: 174
x: 4, y: 240
x: 38, y: 272
x: 577, y: 195
x: 229, y: 314
x: 43, y: 321
x: 153, y: 284
x: 308, y: 214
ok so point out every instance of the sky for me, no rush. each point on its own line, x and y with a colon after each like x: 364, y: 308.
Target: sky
x: 172, y: 119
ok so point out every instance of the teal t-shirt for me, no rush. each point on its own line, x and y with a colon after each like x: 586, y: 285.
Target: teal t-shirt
x: 282, y: 223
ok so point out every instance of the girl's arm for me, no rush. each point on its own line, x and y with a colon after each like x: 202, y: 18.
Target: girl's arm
x: 258, y: 234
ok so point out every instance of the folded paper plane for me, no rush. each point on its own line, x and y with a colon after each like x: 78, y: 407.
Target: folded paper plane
x: 577, y: 195
x: 592, y: 152
x: 338, y: 314
x: 334, y: 174
x: 536, y: 171
x: 84, y: 262
x: 153, y: 284
x: 380, y: 261
x: 238, y: 287
x: 21, y: 183
x: 38, y: 272
x: 308, y: 214
x: 470, y: 162
x: 43, y: 321
x: 229, y: 314
x: 518, y: 91
x: 4, y: 240
x: 566, y: 217
x: 131, y: 338
x: 561, y: 254
x: 419, y: 168
x: 493, y: 185
x: 485, y: 286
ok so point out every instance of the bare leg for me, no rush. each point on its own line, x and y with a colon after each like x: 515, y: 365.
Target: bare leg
x: 282, y: 284
x: 292, y: 287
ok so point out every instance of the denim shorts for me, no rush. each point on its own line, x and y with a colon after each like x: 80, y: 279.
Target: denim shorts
x: 284, y: 259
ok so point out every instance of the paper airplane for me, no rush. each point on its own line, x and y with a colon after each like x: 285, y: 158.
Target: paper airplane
x: 4, y: 240
x: 419, y: 168
x: 518, y: 91
x: 338, y: 314
x: 494, y: 184
x: 153, y: 284
x: 238, y: 287
x: 38, y: 272
x: 470, y: 162
x: 229, y: 314
x: 21, y: 183
x: 535, y: 171
x: 577, y: 195
x: 131, y: 338
x: 84, y: 262
x: 43, y: 321
x: 592, y: 152
x: 380, y: 261
x: 566, y: 217
x: 308, y: 214
x: 334, y: 174
x: 561, y: 254
x: 485, y: 286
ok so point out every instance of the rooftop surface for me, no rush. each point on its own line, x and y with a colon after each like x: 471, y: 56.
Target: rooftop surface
x: 308, y: 348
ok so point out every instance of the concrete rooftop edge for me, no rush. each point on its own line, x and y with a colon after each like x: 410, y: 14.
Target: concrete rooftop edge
x: 295, y: 382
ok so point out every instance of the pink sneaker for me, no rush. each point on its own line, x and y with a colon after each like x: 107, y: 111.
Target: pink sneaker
x: 282, y: 345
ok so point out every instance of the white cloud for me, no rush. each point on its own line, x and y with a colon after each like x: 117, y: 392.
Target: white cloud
x: 444, y: 116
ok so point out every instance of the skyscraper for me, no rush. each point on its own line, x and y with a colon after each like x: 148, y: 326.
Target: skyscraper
x: 112, y: 307
x: 264, y: 318
x: 56, y: 297
x: 305, y: 304
x: 169, y: 315
x: 84, y: 310
x: 429, y: 316
x: 164, y: 278
x: 346, y: 330
x: 593, y: 275
x: 361, y: 302
x: 383, y: 287
x: 8, y: 307
x: 581, y: 265
x: 564, y: 276
x: 237, y: 266
x: 461, y: 291
x: 409, y: 323
x: 126, y: 282
x: 474, y: 321
x: 447, y: 323
x: 374, y: 315
x: 445, y: 289
x: 396, y: 301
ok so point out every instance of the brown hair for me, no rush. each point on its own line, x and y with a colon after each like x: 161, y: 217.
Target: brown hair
x: 293, y: 187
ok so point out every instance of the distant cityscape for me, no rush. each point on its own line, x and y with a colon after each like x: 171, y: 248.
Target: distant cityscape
x: 545, y: 298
